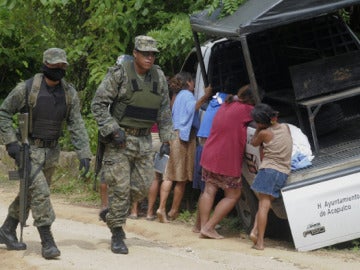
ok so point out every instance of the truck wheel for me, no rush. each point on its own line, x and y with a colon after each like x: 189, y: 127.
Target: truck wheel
x: 247, y: 206
x: 277, y: 228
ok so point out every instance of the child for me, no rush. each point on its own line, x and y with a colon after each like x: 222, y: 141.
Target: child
x: 276, y: 146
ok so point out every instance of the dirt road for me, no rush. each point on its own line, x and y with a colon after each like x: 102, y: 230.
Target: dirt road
x: 84, y: 242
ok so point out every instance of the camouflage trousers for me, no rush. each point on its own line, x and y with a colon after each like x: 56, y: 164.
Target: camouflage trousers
x: 128, y: 173
x: 43, y: 161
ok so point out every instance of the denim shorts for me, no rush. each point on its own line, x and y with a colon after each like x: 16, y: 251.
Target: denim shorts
x: 269, y: 181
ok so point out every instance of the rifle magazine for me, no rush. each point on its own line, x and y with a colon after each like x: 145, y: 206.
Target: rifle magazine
x: 14, y: 175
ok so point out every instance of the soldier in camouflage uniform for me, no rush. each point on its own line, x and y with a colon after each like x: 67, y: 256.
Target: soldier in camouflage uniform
x: 130, y: 99
x: 51, y: 102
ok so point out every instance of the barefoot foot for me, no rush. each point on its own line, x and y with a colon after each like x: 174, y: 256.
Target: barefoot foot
x: 253, y: 237
x: 213, y: 234
x: 161, y: 216
x: 173, y: 215
x: 258, y: 247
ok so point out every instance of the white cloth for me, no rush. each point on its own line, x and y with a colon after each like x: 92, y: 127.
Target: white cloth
x: 300, y: 142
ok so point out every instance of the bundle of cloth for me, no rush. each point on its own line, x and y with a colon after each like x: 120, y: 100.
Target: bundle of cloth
x: 301, y: 154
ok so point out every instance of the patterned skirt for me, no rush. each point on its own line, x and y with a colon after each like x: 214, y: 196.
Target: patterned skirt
x: 180, y: 166
x: 221, y: 181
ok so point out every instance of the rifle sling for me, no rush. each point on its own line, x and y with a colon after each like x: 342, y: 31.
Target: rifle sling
x: 36, y: 172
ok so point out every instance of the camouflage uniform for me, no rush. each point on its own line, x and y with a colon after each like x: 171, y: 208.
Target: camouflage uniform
x: 128, y: 171
x: 43, y: 159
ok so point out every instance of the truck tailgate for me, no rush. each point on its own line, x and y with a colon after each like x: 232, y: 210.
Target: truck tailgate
x: 323, y: 209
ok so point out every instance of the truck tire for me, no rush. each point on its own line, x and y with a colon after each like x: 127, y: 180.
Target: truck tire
x: 247, y: 207
x: 276, y: 227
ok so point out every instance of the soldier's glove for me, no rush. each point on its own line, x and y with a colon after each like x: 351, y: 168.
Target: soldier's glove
x: 164, y: 149
x: 118, y: 137
x: 84, y: 164
x: 13, y: 150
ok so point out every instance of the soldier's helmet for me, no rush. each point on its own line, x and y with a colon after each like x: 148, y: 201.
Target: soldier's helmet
x: 145, y: 44
x: 54, y: 56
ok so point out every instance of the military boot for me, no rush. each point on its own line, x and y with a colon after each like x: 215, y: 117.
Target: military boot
x: 117, y: 241
x: 49, y: 249
x: 8, y: 234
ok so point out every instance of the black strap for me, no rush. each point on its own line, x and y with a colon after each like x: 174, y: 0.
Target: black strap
x: 135, y: 86
x: 155, y: 88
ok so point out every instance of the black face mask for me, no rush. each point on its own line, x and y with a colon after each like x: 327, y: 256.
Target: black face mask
x: 54, y: 74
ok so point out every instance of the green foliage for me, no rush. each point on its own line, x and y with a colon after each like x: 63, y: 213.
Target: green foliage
x: 356, y: 245
x: 67, y: 182
x: 93, y: 33
x: 187, y: 217
x: 91, y: 127
x: 20, y: 44
x: 175, y: 42
x: 345, y: 15
x: 231, y: 224
x: 68, y: 187
x: 229, y: 6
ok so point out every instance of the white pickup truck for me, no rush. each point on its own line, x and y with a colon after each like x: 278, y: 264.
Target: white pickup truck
x: 306, y: 61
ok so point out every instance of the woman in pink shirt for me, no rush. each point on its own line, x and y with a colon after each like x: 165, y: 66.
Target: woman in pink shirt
x: 222, y: 157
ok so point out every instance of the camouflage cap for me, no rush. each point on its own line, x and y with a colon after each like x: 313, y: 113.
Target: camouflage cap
x: 54, y: 56
x: 145, y: 44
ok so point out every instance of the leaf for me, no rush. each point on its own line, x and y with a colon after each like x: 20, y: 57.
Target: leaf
x: 145, y: 12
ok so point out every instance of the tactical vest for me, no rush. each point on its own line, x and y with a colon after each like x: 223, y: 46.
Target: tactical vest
x: 139, y: 107
x: 47, y: 122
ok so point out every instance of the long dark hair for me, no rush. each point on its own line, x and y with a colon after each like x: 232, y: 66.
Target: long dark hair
x: 244, y: 95
x: 263, y: 113
x: 179, y: 81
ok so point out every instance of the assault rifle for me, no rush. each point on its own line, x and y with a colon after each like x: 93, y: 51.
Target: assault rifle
x: 98, y: 160
x: 23, y: 174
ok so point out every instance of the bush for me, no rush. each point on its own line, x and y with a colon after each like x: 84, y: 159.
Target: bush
x: 91, y: 127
